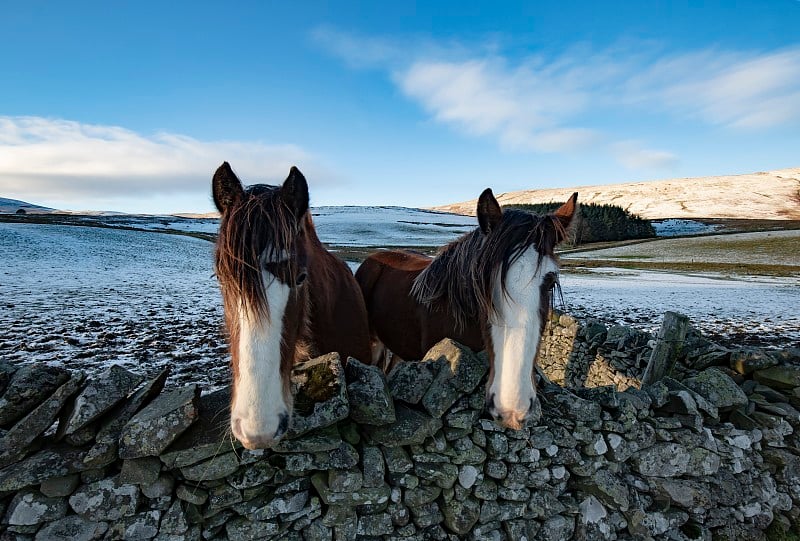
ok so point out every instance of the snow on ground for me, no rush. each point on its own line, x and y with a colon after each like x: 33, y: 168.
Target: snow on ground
x: 758, y: 311
x: 674, y: 227
x: 86, y: 297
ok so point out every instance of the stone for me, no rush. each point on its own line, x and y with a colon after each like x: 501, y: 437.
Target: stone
x: 410, y: 428
x: 119, y: 416
x: 31, y: 508
x: 380, y: 524
x: 31, y: 385
x: 421, y: 495
x: 345, y: 481
x: 557, y: 528
x: 672, y: 459
x: 397, y: 460
x: 105, y: 500
x: 460, y: 372
x: 442, y: 474
x: 33, y: 425
x: 174, y: 520
x: 370, y: 401
x: 409, y: 381
x: 155, y: 427
x: 241, y: 528
x: 60, y: 486
x: 214, y: 468
x: 321, y: 397
x: 72, y: 528
x: 607, y: 487
x: 102, y: 393
x: 748, y: 360
x: 718, y: 388
x: 282, y: 505
x: 253, y: 475
x: 373, y: 467
x: 779, y: 377
x: 160, y: 488
x: 317, y: 441
x: 140, y: 471
x: 140, y: 527
x: 467, y: 476
x: 460, y: 517
x: 194, y: 495
x: 45, y: 464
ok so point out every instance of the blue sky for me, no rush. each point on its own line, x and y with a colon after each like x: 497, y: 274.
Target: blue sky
x: 131, y: 105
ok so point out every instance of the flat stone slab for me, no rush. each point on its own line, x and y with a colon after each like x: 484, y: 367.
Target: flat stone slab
x: 410, y: 380
x: 154, y: 428
x: 779, y: 377
x: 29, y: 386
x: 718, y: 388
x: 410, y: 428
x: 31, y: 508
x: 208, y: 436
x: 101, y: 394
x: 107, y: 499
x: 33, y: 425
x: 72, y: 528
x: 55, y: 462
x: 460, y: 372
x: 370, y: 401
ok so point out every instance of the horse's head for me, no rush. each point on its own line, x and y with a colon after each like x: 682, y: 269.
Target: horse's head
x: 516, y: 275
x: 260, y: 262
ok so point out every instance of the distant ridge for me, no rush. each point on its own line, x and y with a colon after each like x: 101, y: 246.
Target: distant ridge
x: 11, y: 206
x: 773, y: 195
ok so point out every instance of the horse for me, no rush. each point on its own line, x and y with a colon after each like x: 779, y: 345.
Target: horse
x: 490, y: 289
x: 285, y: 298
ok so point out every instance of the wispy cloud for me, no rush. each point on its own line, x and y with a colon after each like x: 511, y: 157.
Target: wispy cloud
x: 42, y: 158
x: 551, y: 103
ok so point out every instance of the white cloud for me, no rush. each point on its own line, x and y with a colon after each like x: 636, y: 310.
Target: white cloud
x: 52, y: 159
x: 632, y: 155
x: 554, y: 103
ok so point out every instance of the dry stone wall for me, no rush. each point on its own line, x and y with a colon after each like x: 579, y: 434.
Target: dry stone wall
x: 712, y: 454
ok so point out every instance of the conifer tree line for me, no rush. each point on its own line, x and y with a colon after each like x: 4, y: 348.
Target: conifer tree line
x: 598, y: 223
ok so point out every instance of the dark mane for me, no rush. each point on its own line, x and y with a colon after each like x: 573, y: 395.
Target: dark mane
x: 463, y: 273
x: 259, y: 220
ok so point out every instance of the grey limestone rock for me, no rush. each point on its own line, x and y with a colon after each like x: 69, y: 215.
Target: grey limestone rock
x: 409, y: 381
x: 105, y: 500
x: 33, y: 425
x: 72, y: 528
x: 410, y: 427
x: 780, y: 377
x: 154, y: 428
x: 460, y: 372
x: 31, y: 508
x: 102, y: 393
x: 370, y: 401
x: 718, y: 388
x: 29, y: 386
x: 321, y: 397
x: 45, y: 464
x: 461, y: 516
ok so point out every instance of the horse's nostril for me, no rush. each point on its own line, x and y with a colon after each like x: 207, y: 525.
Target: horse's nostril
x: 283, y: 425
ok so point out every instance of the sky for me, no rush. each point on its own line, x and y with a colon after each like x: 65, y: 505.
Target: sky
x: 131, y: 106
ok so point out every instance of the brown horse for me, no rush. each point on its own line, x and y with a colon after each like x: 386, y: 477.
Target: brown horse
x: 492, y: 289
x: 285, y: 298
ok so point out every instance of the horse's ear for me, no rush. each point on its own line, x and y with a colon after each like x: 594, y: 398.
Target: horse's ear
x: 226, y: 187
x: 564, y: 215
x: 295, y: 192
x: 489, y: 211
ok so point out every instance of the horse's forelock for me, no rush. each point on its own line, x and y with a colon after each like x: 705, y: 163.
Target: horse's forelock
x: 464, y: 272
x: 258, y: 221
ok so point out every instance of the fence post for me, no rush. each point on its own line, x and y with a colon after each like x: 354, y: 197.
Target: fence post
x: 668, y: 346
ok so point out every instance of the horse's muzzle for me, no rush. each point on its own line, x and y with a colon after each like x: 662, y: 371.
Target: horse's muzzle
x: 254, y: 438
x: 514, y: 420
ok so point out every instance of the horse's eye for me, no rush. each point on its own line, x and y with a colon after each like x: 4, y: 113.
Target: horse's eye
x: 301, y: 278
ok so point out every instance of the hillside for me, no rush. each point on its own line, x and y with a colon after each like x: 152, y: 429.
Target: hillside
x: 10, y: 206
x: 773, y: 195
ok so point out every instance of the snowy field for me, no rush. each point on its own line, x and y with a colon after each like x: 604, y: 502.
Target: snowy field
x: 86, y: 297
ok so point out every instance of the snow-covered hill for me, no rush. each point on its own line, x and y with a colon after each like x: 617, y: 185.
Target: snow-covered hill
x: 11, y: 206
x: 773, y: 195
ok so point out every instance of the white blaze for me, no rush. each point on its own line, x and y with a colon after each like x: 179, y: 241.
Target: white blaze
x: 515, y: 331
x: 258, y: 403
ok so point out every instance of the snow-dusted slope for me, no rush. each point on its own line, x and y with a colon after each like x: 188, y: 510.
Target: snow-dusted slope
x: 10, y: 206
x: 767, y: 195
